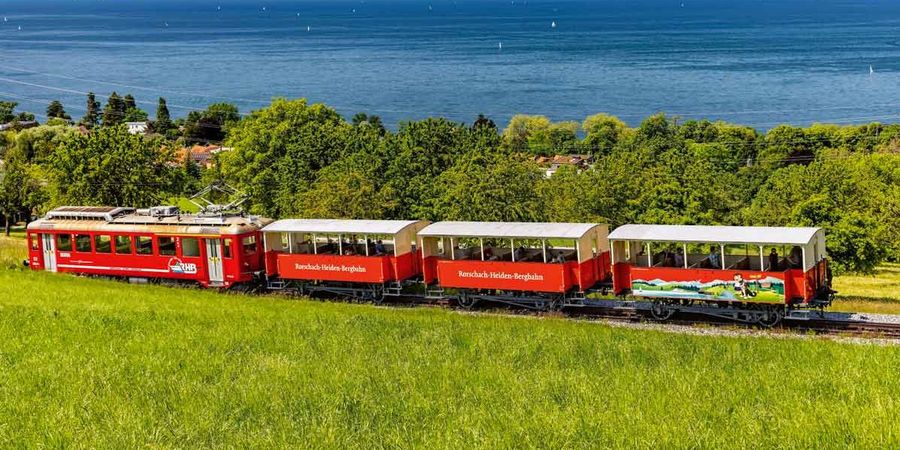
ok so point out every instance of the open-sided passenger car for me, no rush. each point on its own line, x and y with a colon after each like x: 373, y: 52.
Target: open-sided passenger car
x: 527, y: 264
x: 748, y: 273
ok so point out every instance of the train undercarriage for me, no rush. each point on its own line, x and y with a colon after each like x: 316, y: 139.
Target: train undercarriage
x: 765, y: 315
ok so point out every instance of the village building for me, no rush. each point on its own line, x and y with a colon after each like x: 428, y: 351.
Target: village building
x: 18, y: 125
x: 202, y: 155
x: 552, y: 164
x: 138, y: 127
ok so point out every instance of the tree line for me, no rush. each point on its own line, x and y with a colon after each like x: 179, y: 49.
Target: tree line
x: 296, y: 159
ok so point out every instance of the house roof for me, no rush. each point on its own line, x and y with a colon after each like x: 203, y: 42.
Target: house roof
x: 714, y: 234
x: 524, y: 230
x: 339, y: 226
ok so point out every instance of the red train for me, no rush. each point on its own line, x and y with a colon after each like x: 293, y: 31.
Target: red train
x: 750, y: 274
x: 153, y: 244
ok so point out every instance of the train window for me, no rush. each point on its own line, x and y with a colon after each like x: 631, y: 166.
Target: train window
x: 144, y: 245
x: 34, y: 242
x: 249, y: 244
x: 83, y: 243
x: 103, y: 244
x: 123, y: 245
x: 226, y: 248
x: 166, y: 246
x: 64, y: 242
x: 190, y: 247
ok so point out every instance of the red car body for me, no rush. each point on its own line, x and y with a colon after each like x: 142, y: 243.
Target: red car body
x: 122, y: 242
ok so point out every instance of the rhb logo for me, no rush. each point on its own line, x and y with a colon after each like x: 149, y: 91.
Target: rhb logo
x: 178, y: 266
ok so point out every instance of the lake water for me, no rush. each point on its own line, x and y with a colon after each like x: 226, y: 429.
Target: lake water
x: 754, y: 62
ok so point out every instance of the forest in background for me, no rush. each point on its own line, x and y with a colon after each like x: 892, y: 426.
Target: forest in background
x: 296, y: 159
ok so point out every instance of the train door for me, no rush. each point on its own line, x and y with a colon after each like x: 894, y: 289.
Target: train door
x: 214, y: 260
x: 818, y: 275
x: 49, y: 248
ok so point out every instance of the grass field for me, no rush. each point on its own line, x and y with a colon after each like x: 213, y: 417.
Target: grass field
x: 92, y: 363
x: 12, y: 251
x: 878, y: 293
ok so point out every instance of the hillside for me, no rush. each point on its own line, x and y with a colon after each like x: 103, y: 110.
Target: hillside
x: 96, y: 363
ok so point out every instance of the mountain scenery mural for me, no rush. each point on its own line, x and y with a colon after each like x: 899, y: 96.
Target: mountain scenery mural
x: 764, y: 290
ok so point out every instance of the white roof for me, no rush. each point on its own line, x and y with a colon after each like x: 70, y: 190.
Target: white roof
x: 338, y: 226
x: 527, y: 230
x: 714, y: 234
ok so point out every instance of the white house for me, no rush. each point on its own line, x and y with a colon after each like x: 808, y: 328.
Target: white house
x: 137, y: 127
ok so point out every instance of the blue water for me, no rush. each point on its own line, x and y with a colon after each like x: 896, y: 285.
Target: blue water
x: 755, y: 62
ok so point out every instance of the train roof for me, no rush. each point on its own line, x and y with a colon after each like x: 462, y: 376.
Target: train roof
x: 715, y: 234
x: 521, y: 230
x: 116, y: 219
x: 339, y: 226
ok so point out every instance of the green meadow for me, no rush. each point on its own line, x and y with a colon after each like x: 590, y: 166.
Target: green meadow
x: 875, y: 293
x: 94, y: 363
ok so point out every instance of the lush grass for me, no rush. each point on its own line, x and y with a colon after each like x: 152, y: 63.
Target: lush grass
x: 13, y: 251
x: 878, y: 293
x: 94, y: 363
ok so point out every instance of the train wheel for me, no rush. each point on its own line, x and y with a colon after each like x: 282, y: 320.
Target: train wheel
x: 770, y: 317
x: 558, y: 304
x: 377, y: 294
x: 464, y: 301
x: 661, y: 311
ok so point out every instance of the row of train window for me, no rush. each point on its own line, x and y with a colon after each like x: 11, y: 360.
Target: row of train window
x: 143, y: 245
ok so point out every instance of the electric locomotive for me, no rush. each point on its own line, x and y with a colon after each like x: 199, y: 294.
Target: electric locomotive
x: 215, y: 250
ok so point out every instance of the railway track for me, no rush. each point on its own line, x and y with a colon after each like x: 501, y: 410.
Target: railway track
x: 848, y: 328
x: 636, y: 314
x: 856, y: 328
x: 640, y: 313
x: 819, y: 326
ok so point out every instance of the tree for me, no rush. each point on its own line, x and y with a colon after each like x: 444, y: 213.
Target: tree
x: 484, y: 122
x: 20, y: 190
x: 278, y: 151
x: 6, y: 111
x: 112, y: 167
x: 363, y: 119
x: 130, y: 102
x: 853, y: 196
x: 489, y: 188
x: 135, y: 115
x: 657, y: 134
x: 92, y: 115
x: 420, y: 152
x: 55, y: 110
x: 537, y: 135
x: 38, y: 143
x: 560, y: 137
x: 114, y: 111
x: 163, y: 121
x: 785, y: 145
x: 521, y: 127
x: 602, y: 133
x: 211, y: 124
x: 24, y: 117
x: 350, y: 188
x: 573, y: 196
